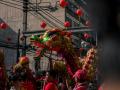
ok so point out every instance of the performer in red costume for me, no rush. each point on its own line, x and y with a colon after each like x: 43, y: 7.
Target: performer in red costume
x: 80, y: 79
x: 23, y: 77
x: 50, y: 83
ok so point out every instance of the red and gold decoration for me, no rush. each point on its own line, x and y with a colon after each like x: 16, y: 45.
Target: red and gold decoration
x: 89, y: 63
x: 60, y: 41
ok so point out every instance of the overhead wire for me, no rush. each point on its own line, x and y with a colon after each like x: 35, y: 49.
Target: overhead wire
x: 48, y: 19
x: 45, y: 17
x: 50, y: 15
x: 10, y: 5
x: 46, y: 13
x: 39, y: 18
x: 51, y: 24
x: 20, y: 1
x: 43, y: 11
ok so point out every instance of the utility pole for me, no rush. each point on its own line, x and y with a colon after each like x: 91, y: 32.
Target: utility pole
x: 18, y: 46
x: 25, y: 12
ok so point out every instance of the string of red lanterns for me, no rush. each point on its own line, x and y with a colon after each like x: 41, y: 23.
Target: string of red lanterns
x: 79, y: 12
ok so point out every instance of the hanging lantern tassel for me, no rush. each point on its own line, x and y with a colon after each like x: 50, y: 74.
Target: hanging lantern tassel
x: 63, y: 3
x: 79, y: 12
x: 3, y: 25
x: 43, y: 24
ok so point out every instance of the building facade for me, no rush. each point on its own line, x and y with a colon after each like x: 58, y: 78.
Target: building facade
x: 11, y: 13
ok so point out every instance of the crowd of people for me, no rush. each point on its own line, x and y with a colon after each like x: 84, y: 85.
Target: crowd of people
x: 22, y: 78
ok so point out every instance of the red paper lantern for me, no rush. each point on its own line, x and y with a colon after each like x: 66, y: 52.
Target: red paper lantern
x: 63, y: 3
x: 67, y: 24
x: 86, y: 35
x: 3, y: 25
x: 43, y: 24
x: 79, y: 12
